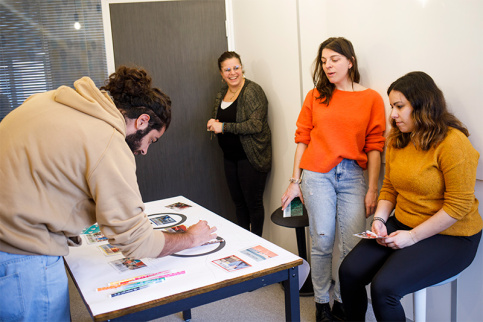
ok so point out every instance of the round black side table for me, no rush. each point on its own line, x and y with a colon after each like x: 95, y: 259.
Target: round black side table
x: 299, y: 223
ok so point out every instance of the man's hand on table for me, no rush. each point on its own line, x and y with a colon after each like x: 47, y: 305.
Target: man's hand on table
x: 201, y: 233
x: 195, y: 235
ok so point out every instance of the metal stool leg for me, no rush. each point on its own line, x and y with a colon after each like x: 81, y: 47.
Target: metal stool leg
x: 419, y: 300
x: 419, y: 306
x: 454, y: 300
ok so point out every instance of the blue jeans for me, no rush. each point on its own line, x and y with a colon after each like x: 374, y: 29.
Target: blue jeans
x: 335, y: 204
x: 33, y: 288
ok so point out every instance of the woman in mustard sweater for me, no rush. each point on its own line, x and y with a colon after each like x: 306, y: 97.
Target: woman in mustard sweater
x: 339, y: 135
x: 429, y: 181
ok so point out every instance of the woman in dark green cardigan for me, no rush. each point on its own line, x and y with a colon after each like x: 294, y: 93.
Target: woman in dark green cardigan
x: 240, y: 120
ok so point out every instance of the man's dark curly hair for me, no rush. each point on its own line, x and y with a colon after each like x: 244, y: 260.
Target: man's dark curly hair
x: 133, y: 95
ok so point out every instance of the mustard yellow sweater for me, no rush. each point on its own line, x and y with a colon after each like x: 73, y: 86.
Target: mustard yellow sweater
x: 420, y: 183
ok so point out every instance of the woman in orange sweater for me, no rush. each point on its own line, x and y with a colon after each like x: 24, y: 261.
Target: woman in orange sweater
x: 339, y: 135
x: 429, y: 180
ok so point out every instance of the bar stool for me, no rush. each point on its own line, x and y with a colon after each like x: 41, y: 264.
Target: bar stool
x: 419, y: 300
x: 299, y: 223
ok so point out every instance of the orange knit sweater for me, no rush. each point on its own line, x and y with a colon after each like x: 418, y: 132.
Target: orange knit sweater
x: 349, y: 127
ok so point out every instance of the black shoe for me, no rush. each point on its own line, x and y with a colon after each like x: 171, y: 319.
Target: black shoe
x: 322, y: 312
x: 338, y: 312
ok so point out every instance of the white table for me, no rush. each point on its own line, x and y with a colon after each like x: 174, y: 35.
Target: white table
x: 203, y: 282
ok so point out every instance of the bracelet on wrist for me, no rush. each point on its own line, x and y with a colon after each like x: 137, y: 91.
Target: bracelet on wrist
x: 293, y: 180
x: 410, y: 234
x: 223, y: 128
x: 379, y: 219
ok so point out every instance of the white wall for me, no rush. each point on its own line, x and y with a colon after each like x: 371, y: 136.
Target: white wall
x: 278, y: 41
x: 265, y: 34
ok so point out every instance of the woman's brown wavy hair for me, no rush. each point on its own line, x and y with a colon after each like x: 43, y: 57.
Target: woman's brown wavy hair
x: 430, y: 114
x: 321, y: 82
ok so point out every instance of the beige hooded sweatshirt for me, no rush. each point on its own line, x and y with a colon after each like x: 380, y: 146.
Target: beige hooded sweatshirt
x: 64, y: 165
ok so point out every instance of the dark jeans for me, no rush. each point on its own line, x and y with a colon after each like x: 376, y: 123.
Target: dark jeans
x: 246, y: 188
x: 395, y: 273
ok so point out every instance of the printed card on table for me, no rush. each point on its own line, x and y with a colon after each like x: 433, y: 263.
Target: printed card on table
x: 231, y: 263
x: 126, y: 264
x: 178, y: 206
x: 162, y: 220
x: 95, y: 238
x: 91, y: 230
x: 166, y: 220
x: 109, y: 250
x: 258, y: 253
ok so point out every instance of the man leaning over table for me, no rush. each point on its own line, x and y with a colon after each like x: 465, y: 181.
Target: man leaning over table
x: 67, y: 162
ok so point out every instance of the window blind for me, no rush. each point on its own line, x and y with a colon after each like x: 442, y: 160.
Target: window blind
x: 41, y: 48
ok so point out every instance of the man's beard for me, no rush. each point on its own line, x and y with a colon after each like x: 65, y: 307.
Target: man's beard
x: 134, y: 140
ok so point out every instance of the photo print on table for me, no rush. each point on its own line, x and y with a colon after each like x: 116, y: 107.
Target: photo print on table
x: 95, y: 238
x: 178, y: 206
x: 231, y: 263
x: 127, y: 264
x: 109, y: 250
x: 166, y: 220
x: 258, y: 253
x: 92, y: 229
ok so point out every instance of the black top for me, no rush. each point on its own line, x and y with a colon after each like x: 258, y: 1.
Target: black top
x: 230, y: 143
x: 251, y: 124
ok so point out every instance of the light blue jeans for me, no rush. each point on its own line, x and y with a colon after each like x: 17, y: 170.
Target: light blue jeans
x: 335, y: 204
x: 33, y: 288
